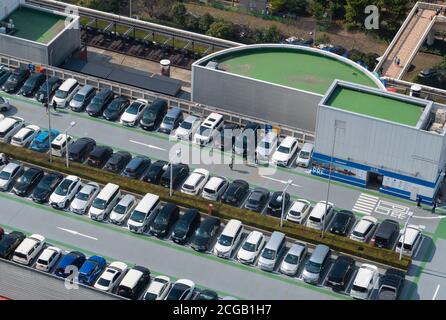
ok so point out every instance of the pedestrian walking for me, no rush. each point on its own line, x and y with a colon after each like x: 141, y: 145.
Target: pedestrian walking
x: 45, y: 104
x: 54, y: 105
x: 434, y: 205
x: 231, y: 164
x: 419, y: 201
x: 398, y: 61
x: 416, y: 11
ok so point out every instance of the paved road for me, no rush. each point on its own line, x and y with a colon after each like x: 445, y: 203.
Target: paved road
x: 158, y: 146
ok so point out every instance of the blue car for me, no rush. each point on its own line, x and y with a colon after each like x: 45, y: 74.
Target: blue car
x: 42, y: 142
x: 91, y: 269
x: 74, y: 259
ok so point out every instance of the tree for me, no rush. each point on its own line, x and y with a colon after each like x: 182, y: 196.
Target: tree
x: 393, y: 13
x: 105, y: 5
x: 298, y: 7
x: 354, y: 11
x: 178, y: 13
x: 273, y: 34
x: 205, y: 22
x: 278, y: 5
x: 222, y: 29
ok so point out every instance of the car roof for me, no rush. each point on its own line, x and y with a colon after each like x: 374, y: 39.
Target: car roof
x: 173, y: 112
x: 209, y: 221
x: 47, y: 253
x: 99, y: 150
x: 7, y: 122
x: 254, y: 236
x: 85, y: 89
x: 191, y: 119
x: 411, y: 234
x: 299, y: 204
x: 364, y: 275
x: 214, y: 182
x: 126, y: 199
x: 131, y: 278
x: 364, y: 223
x: 296, y: 249
x: 118, y: 264
x: 287, y: 141
x: 10, y: 167
x: 195, y: 176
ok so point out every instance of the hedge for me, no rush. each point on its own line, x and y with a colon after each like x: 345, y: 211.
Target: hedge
x: 268, y: 223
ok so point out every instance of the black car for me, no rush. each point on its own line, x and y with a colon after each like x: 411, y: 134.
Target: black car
x: 16, y: 80
x: 99, y: 156
x: 235, y: 193
x: 186, y: 226
x: 228, y: 135
x: 391, y: 285
x: 46, y: 186
x: 118, y: 161
x: 31, y: 85
x: 28, y: 180
x: 100, y: 101
x: 340, y: 273
x: 4, y: 75
x: 154, y: 114
x: 165, y: 219
x: 9, y: 242
x: 179, y: 172
x: 136, y: 290
x: 386, y: 234
x: 276, y: 202
x: 155, y: 171
x: 207, y: 295
x: 80, y: 149
x: 257, y: 200
x: 205, y: 234
x: 50, y: 87
x: 247, y: 140
x: 136, y: 167
x: 114, y: 110
x: 342, y: 222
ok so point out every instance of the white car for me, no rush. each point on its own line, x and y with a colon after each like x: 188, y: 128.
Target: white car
x: 122, y: 209
x: 48, y: 258
x: 294, y: 257
x: 9, y: 174
x: 29, y: 249
x: 187, y: 128
x: 84, y: 198
x: 214, y: 188
x: 65, y: 192
x: 158, y: 288
x: 298, y: 211
x: 182, y: 289
x: 266, y: 147
x: 133, y: 113
x: 251, y: 247
x: 285, y: 152
x: 411, y: 237
x: 195, y: 182
x: 363, y: 229
x: 111, y: 276
x: 364, y: 281
x: 25, y: 135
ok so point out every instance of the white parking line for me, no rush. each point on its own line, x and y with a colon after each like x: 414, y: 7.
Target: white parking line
x: 436, y: 292
x: 365, y: 203
x: 280, y: 181
x: 148, y: 145
x: 77, y: 233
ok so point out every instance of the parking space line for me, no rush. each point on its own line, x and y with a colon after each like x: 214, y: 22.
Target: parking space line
x: 436, y: 292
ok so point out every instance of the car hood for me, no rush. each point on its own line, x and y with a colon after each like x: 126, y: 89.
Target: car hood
x: 3, y: 182
x: 221, y: 248
x: 279, y: 156
x: 116, y: 216
x: 75, y: 104
x: 95, y: 211
x: 57, y: 198
x: 182, y: 132
x: 288, y: 267
x: 21, y: 186
x: 245, y: 255
x: 129, y: 117
x: 78, y: 204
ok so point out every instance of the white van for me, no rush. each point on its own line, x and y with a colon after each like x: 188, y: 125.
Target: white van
x: 411, y: 240
x: 104, y: 202
x: 305, y: 154
x: 364, y: 281
x: 29, y: 249
x: 228, y: 239
x: 60, y: 144
x: 65, y: 92
x: 9, y: 127
x: 25, y: 135
x: 320, y: 215
x: 208, y: 129
x: 141, y: 216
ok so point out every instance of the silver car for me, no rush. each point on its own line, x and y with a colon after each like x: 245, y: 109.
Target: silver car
x: 84, y: 197
x: 9, y: 174
x: 4, y: 104
x: 293, y: 259
x: 122, y: 209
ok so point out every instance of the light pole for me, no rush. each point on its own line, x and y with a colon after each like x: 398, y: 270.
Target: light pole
x: 178, y: 154
x: 409, y: 215
x: 289, y: 182
x: 130, y: 8
x: 329, y: 179
x: 72, y: 124
x: 48, y: 103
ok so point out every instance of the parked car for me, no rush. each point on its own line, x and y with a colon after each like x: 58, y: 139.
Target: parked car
x: 9, y: 242
x: 293, y: 259
x: 171, y: 120
x: 165, y: 219
x: 84, y: 198
x: 4, y: 104
x: 9, y: 126
x: 363, y: 229
x: 187, y: 128
x: 285, y: 152
x: 4, y: 75
x: 364, y: 282
x: 251, y: 247
x: 298, y: 211
x: 276, y: 203
x: 386, y: 233
x: 46, y: 186
x: 65, y: 93
x: 111, y: 276
x: 91, y: 269
x: 82, y: 98
x: 186, y: 226
x: 114, y: 110
x: 304, y: 157
x: 16, y: 80
x: 391, y: 285
x: 122, y: 209
x: 179, y: 172
x: 69, y: 263
x: 25, y: 135
x: 100, y: 101
x: 133, y: 283
x: 181, y: 290
x: 49, y: 87
x: 214, y: 188
x: 99, y: 156
x: 153, y: 114
x: 207, y: 295
x: 209, y: 129
x: 28, y: 249
x: 118, y: 161
x: 27, y: 181
x: 195, y: 182
x: 9, y: 174
x: 246, y: 142
x: 156, y: 170
x: 136, y: 167
x: 133, y: 113
x: 317, y: 264
x: 342, y: 222
x: 32, y: 84
x: 80, y: 149
x: 48, y: 259
x: 410, y: 239
x: 143, y: 213
x: 257, y: 199
x: 65, y: 192
x: 104, y: 202
x: 235, y: 193
x: 272, y: 251
x: 228, y: 136
x: 266, y: 148
x: 320, y: 215
x: 341, y: 272
x: 158, y: 288
x: 205, y: 234
x: 42, y: 141
x: 228, y: 240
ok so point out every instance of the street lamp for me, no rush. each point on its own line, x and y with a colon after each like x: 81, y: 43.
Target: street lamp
x: 329, y: 179
x: 130, y: 8
x: 48, y: 102
x: 72, y: 124
x: 289, y: 182
x: 178, y: 154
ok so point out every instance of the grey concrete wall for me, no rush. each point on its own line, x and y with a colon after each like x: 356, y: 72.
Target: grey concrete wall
x: 24, y: 49
x: 8, y: 6
x: 254, y: 98
x: 64, y: 45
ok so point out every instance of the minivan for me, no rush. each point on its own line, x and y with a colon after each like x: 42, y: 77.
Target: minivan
x: 386, y: 234
x: 82, y: 98
x: 320, y: 215
x: 411, y: 237
x: 65, y: 92
x: 186, y: 226
x: 99, y: 156
x: 9, y: 126
x: 29, y: 249
x: 171, y: 120
x: 133, y: 283
x: 154, y: 114
x: 228, y: 239
x: 272, y: 251
x: 165, y: 219
x: 141, y: 216
x: 208, y: 129
x: 104, y: 202
x: 315, y: 266
x: 60, y: 144
x: 304, y: 157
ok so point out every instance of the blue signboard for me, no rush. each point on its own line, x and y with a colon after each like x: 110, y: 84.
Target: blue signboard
x: 32, y: 67
x: 268, y: 128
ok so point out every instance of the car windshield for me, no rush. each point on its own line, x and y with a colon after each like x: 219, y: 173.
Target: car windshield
x: 25, y: 178
x: 13, y: 78
x: 253, y: 202
x: 225, y: 240
x: 269, y: 254
x: 138, y: 216
x: 312, y: 267
x: 4, y: 175
x: 202, y: 233
x: 62, y: 94
x: 82, y: 196
x: 265, y: 144
x: 97, y: 100
x: 120, y: 209
x: 134, y: 108
x: 42, y: 262
x: 79, y: 97
x: 359, y: 289
x: 149, y: 115
x: 150, y: 296
x: 291, y: 259
x: 99, y: 203
x: 182, y: 226
x: 283, y: 149
x: 161, y: 219
x: 304, y: 155
x: 186, y: 125
x: 103, y: 282
x: 176, y: 292
x: 169, y: 120
x: 62, y: 189
x: 204, y: 131
x: 115, y: 105
x: 248, y: 246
